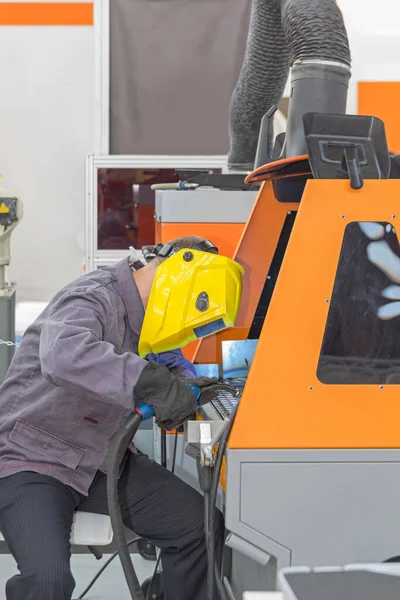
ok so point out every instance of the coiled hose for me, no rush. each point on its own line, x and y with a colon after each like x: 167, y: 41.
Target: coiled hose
x: 213, y: 566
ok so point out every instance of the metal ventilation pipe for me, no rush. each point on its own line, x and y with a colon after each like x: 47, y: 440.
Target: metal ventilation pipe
x: 320, y: 59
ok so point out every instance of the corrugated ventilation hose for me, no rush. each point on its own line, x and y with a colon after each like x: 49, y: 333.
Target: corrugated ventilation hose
x: 261, y: 82
x: 310, y: 35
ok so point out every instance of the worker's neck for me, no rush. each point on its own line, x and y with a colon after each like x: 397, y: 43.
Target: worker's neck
x: 143, y: 279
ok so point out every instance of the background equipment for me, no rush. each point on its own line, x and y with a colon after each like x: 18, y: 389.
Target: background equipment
x: 11, y: 210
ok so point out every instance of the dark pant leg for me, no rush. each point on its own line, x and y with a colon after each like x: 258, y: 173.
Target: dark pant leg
x: 160, y: 507
x: 36, y: 515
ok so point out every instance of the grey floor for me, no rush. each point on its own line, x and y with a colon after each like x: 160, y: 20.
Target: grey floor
x: 109, y: 586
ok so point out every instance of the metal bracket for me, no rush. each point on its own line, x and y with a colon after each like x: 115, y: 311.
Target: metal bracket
x: 247, y: 549
x: 192, y: 431
x: 206, y: 446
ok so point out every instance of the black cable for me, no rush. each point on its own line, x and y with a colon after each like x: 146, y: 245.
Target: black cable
x: 213, y: 567
x: 103, y: 568
x: 148, y: 595
x: 136, y: 539
x: 218, y: 387
x: 163, y: 448
x: 223, y: 594
x: 174, y: 453
x: 206, y: 496
x: 118, y: 448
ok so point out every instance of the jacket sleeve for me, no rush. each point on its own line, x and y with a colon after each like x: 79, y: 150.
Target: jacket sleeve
x: 176, y: 363
x: 74, y: 355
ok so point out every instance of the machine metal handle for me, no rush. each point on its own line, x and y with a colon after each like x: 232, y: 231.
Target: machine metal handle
x: 147, y: 412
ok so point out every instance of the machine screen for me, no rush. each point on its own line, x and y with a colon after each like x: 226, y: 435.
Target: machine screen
x: 237, y: 357
x: 361, y: 344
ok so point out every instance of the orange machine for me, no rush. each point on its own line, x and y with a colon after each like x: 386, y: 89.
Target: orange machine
x: 313, y: 460
x: 292, y: 337
x: 339, y: 274
x: 211, y: 213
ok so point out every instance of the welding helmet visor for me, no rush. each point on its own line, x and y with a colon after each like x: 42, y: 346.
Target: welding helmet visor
x: 195, y: 293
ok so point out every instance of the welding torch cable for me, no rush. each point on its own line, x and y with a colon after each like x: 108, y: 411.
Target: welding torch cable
x: 213, y: 566
x: 174, y: 453
x: 163, y: 440
x: 133, y: 541
x: 118, y: 448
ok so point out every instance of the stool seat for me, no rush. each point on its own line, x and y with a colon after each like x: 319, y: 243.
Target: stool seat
x: 89, y: 529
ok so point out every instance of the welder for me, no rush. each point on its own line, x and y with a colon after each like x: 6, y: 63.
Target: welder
x: 107, y: 341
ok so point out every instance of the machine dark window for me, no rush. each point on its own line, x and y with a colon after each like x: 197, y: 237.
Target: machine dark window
x: 361, y: 343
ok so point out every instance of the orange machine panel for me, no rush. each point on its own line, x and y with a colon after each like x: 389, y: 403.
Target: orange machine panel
x: 382, y: 99
x: 224, y: 235
x: 254, y: 252
x: 284, y: 405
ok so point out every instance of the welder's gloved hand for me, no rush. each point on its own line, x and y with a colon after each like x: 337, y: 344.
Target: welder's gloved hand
x: 171, y: 398
x: 208, y: 388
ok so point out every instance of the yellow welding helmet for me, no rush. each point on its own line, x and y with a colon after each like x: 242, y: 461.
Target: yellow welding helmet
x: 195, y: 293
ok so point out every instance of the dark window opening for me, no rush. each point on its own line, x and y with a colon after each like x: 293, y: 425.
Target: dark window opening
x: 361, y: 344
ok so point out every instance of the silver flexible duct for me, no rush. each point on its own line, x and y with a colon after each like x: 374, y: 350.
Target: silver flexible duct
x: 310, y: 35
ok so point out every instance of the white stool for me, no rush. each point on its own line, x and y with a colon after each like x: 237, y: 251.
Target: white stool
x: 89, y: 529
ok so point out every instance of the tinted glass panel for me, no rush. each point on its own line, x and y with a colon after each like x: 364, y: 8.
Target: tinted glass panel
x: 362, y: 338
x: 125, y: 203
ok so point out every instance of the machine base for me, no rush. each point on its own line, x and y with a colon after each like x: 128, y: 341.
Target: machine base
x: 310, y: 507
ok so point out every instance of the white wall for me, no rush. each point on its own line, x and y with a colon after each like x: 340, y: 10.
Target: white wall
x: 374, y: 32
x: 373, y: 27
x: 371, y: 16
x: 47, y: 106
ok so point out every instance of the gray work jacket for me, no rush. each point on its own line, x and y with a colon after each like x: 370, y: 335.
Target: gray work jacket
x: 71, y: 382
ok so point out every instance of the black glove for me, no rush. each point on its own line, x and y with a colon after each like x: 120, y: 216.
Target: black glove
x: 209, y: 388
x: 171, y: 398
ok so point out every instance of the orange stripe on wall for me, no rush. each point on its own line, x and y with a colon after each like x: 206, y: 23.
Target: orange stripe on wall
x: 46, y: 13
x: 382, y: 99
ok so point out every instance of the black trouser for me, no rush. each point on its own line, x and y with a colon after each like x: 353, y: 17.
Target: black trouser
x: 36, y: 513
